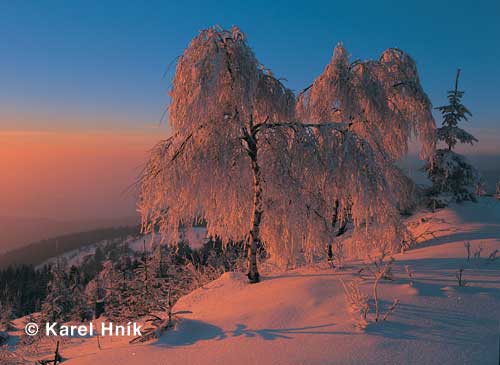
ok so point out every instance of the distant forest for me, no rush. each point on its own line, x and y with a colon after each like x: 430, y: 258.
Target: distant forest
x: 114, y: 280
x: 38, y: 252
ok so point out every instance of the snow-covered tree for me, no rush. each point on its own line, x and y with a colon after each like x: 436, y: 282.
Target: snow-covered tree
x: 116, y: 289
x: 453, y: 178
x: 385, y: 105
x: 58, y: 302
x: 96, y: 293
x: 120, y: 307
x: 79, y: 302
x: 147, y: 285
x: 106, y: 289
x: 241, y: 158
x: 383, y: 100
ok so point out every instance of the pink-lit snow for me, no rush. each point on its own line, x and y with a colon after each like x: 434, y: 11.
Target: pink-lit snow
x: 301, y: 317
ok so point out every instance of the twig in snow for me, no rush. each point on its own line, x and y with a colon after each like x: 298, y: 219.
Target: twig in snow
x: 391, y: 309
x: 357, y: 301
x: 409, y: 273
x: 477, y: 252
x: 467, y: 247
x: 460, y: 277
x: 493, y: 256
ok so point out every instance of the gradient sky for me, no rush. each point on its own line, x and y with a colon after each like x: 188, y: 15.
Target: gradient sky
x: 82, y: 81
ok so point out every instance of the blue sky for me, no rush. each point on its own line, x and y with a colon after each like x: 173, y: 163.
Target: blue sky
x: 82, y: 87
x: 98, y: 65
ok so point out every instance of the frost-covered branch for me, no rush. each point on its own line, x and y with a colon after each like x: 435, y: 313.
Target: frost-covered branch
x: 384, y: 93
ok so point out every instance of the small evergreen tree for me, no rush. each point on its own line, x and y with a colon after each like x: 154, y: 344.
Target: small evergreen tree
x: 451, y: 175
x: 110, y: 281
x: 80, y: 310
x: 452, y: 114
x: 143, y: 279
x: 119, y: 308
x: 96, y: 293
x: 58, y: 303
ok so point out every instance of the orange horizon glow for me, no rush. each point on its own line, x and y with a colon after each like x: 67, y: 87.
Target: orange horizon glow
x: 78, y: 174
x: 69, y: 175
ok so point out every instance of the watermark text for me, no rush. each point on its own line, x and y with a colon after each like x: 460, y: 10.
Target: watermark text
x: 90, y: 329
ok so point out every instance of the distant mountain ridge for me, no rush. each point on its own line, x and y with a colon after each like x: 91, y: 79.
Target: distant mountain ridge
x: 16, y: 232
x: 39, y: 252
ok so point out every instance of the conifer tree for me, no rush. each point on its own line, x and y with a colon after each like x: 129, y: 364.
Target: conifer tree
x: 58, y: 302
x: 79, y: 301
x: 122, y: 286
x: 96, y: 294
x: 110, y: 280
x: 453, y: 113
x: 144, y: 283
x: 453, y: 178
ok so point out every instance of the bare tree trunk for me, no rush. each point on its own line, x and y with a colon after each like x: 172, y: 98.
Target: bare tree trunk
x: 334, y: 224
x: 250, y: 137
x: 341, y: 229
x: 253, y: 273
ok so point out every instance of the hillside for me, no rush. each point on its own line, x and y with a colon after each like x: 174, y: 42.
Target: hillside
x: 301, y: 317
x: 22, y: 231
x: 38, y: 252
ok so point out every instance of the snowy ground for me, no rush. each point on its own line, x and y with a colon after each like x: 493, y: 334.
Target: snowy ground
x: 301, y: 317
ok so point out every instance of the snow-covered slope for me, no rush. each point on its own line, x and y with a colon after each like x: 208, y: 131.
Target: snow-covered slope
x: 300, y: 316
x: 76, y: 257
x: 196, y: 237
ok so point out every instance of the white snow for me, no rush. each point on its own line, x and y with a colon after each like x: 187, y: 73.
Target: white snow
x: 300, y: 316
